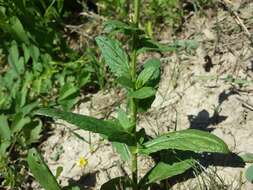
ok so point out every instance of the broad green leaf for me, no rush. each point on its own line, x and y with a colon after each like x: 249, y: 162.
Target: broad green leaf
x: 5, y: 133
x: 164, y: 170
x: 144, y: 76
x: 118, y: 26
x: 155, y: 78
x: 17, y: 30
x: 115, y: 57
x: 41, y: 171
x: 125, y: 82
x: 112, y: 130
x: 190, y: 139
x: 118, y: 183
x: 143, y: 93
x: 124, y: 120
x: 249, y: 174
x: 123, y: 150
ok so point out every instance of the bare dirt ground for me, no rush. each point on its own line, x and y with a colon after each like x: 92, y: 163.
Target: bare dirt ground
x: 211, y: 89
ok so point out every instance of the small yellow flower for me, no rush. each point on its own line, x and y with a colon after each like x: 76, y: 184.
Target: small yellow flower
x: 82, y: 162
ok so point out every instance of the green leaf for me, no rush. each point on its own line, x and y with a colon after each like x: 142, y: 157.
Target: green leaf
x: 143, y: 93
x: 144, y: 76
x: 124, y: 120
x: 67, y: 90
x: 26, y: 51
x: 115, y: 57
x: 146, y: 45
x: 112, y: 130
x: 123, y: 150
x: 19, y: 122
x: 13, y: 59
x: 41, y: 171
x: 125, y: 82
x: 164, y: 170
x: 35, y: 53
x: 249, y: 174
x: 189, y: 139
x: 118, y: 26
x: 118, y: 183
x: 5, y: 133
x: 32, y: 131
x: 59, y: 170
x: 17, y: 31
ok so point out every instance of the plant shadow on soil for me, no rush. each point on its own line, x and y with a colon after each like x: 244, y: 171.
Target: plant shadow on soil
x: 203, y: 120
x: 85, y: 182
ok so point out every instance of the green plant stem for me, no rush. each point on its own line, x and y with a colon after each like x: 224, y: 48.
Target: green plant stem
x: 133, y: 107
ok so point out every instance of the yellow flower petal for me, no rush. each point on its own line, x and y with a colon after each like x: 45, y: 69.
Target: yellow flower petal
x: 82, y: 162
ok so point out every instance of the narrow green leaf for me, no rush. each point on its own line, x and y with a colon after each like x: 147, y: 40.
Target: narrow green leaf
x: 66, y: 91
x: 5, y: 133
x: 190, y: 139
x: 164, y: 170
x: 143, y: 93
x: 41, y: 171
x: 112, y: 130
x: 13, y: 59
x: 118, y: 26
x: 35, y: 53
x: 118, y: 183
x: 146, y: 45
x: 123, y: 150
x: 26, y: 51
x: 59, y: 170
x: 144, y: 76
x: 115, y: 57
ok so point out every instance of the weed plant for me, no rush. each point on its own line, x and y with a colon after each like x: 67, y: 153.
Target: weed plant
x: 175, y: 149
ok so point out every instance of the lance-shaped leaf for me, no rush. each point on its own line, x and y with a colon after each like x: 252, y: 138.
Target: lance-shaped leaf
x: 118, y: 26
x: 123, y: 150
x: 164, y: 170
x: 41, y: 171
x: 110, y: 129
x: 143, y: 93
x: 114, y: 55
x: 190, y: 139
x: 144, y: 76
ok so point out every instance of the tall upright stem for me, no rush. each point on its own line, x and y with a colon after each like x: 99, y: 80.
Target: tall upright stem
x: 133, y: 108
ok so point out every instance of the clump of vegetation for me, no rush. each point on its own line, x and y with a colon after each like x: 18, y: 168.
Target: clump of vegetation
x: 40, y: 70
x: 174, y: 149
